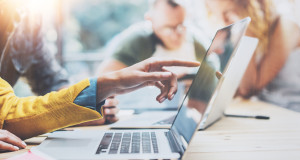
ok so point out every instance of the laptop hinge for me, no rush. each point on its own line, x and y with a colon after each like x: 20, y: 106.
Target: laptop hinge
x: 175, y: 146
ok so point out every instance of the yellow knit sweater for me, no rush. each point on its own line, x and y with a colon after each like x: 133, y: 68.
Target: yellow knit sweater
x: 32, y: 116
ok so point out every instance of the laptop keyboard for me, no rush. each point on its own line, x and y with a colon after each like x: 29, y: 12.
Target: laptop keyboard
x: 128, y: 142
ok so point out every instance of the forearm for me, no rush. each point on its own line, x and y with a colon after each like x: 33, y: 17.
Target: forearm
x: 258, y: 76
x: 107, y: 85
x: 31, y: 116
x: 108, y: 80
x: 281, y: 43
x: 247, y: 86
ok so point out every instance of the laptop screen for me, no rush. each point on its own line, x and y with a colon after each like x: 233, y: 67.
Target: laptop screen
x: 205, y: 83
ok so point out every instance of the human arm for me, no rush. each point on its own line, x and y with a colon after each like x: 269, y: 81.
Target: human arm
x: 128, y: 48
x: 31, y: 116
x: 258, y: 75
x: 150, y: 72
x: 110, y: 112
x: 31, y: 59
x: 10, y: 142
x: 110, y: 109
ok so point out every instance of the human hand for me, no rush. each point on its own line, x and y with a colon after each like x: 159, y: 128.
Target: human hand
x: 219, y: 74
x: 110, y: 113
x: 111, y: 110
x: 146, y: 73
x: 10, y: 142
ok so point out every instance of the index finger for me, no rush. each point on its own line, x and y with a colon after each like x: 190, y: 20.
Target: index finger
x: 175, y: 62
x: 7, y: 147
x: 12, y: 139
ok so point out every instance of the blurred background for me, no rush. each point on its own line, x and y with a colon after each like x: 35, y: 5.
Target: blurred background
x: 77, y: 31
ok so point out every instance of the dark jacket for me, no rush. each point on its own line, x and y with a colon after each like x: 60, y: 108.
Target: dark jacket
x: 24, y: 53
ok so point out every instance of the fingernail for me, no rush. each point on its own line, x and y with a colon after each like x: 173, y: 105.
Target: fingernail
x: 24, y: 143
x: 172, y: 96
x: 17, y: 148
x: 166, y: 74
x: 107, y: 111
x: 162, y: 100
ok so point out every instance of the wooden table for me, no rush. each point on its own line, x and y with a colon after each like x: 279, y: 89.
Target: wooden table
x: 238, y: 138
x: 246, y: 138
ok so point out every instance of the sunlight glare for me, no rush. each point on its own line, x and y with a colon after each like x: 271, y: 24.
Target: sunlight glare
x: 40, y: 5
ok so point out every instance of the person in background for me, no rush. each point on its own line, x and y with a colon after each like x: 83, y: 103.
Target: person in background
x: 273, y: 73
x: 163, y: 34
x: 28, y: 57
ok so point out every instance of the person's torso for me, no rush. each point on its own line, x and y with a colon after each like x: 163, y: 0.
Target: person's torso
x: 284, y: 89
x: 186, y: 51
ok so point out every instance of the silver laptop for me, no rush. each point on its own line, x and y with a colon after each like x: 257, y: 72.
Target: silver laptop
x: 229, y: 82
x: 148, y: 112
x: 222, y: 49
x: 150, y: 144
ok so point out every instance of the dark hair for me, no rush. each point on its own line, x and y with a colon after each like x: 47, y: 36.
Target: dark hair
x: 172, y: 3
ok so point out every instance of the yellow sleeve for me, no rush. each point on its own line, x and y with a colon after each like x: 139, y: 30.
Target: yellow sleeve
x: 32, y: 116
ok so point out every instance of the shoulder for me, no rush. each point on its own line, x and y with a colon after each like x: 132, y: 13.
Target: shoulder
x: 133, y: 45
x: 286, y: 30
x: 200, y: 42
x: 284, y: 24
x: 137, y: 33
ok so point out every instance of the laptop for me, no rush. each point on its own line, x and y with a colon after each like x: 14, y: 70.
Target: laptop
x: 149, y: 143
x: 227, y: 85
x: 147, y: 110
x: 222, y: 49
x: 148, y: 113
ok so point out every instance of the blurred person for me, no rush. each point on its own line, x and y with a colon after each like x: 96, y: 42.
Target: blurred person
x: 273, y: 73
x: 163, y: 34
x: 28, y: 57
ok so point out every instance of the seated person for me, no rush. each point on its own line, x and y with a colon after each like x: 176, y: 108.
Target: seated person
x: 28, y: 57
x: 273, y: 73
x: 162, y: 35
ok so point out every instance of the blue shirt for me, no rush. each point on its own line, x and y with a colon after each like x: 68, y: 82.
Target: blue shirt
x: 88, y: 97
